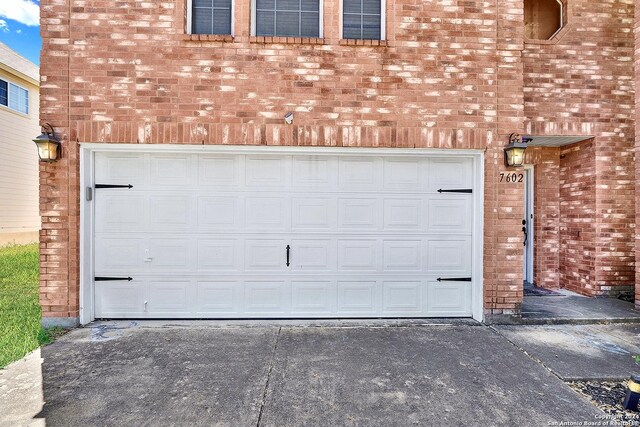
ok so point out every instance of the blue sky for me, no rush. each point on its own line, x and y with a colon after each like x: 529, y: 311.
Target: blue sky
x: 20, y: 27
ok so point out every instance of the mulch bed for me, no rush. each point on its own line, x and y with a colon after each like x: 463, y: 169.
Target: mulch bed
x: 608, y: 396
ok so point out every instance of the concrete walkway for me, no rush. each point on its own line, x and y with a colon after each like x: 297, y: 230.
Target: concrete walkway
x: 122, y: 373
x: 570, y: 308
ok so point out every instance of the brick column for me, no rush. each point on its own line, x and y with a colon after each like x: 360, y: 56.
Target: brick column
x: 58, y: 255
x: 637, y: 148
x: 504, y: 202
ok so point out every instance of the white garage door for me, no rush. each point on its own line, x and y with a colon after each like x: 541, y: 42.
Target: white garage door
x: 274, y: 235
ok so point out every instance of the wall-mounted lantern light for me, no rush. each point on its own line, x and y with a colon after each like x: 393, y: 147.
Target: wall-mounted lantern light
x: 48, y: 144
x: 514, y: 152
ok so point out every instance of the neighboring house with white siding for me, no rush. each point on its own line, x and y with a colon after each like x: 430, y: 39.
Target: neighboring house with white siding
x: 19, y: 111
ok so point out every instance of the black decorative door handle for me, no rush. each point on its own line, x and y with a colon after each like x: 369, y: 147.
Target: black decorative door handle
x: 288, y: 252
x: 526, y: 236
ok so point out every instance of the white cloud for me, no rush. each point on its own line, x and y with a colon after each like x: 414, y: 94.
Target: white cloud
x: 18, y: 31
x: 3, y: 26
x: 24, y: 11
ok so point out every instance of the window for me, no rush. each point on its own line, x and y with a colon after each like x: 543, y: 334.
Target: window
x: 18, y: 98
x: 543, y: 19
x: 211, y: 17
x: 287, y: 18
x: 14, y: 97
x: 362, y: 19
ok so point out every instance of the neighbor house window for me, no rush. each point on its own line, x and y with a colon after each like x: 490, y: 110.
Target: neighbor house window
x: 211, y: 17
x: 14, y: 97
x: 362, y: 19
x: 287, y: 18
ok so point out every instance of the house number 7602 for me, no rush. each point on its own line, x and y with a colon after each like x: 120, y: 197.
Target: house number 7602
x: 511, y: 177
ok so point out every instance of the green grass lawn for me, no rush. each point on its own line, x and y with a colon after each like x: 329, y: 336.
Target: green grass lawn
x: 20, y: 330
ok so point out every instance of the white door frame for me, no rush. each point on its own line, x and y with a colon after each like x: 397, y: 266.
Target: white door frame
x: 529, y: 216
x: 87, y: 173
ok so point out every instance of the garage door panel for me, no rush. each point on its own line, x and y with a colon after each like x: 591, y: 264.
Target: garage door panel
x: 171, y: 213
x: 120, y: 168
x: 402, y: 255
x: 402, y: 214
x: 358, y: 255
x: 313, y: 255
x: 219, y: 172
x: 219, y: 255
x: 448, y: 255
x: 357, y: 297
x: 449, y: 298
x: 402, y: 297
x: 313, y: 214
x: 449, y: 173
x: 267, y: 172
x: 221, y: 298
x: 359, y: 214
x: 220, y: 213
x: 267, y: 213
x: 172, y: 254
x: 313, y: 297
x: 167, y: 298
x: 171, y: 170
x: 361, y: 174
x: 314, y: 173
x: 118, y: 254
x: 449, y: 214
x: 404, y: 174
x: 264, y: 254
x: 266, y: 297
x: 119, y: 299
x: 119, y: 212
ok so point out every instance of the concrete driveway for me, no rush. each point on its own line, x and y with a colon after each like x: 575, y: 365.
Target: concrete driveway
x: 147, y: 374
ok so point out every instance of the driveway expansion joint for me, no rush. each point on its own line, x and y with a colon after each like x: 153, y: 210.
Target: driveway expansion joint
x: 266, y: 384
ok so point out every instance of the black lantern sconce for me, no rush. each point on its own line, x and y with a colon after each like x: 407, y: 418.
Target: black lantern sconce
x: 514, y: 152
x: 49, y: 148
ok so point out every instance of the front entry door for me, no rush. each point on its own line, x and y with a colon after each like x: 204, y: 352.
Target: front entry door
x: 527, y: 226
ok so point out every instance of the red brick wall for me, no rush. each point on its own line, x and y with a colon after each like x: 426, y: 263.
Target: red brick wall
x: 581, y: 84
x: 450, y: 75
x: 546, y: 221
x: 577, y: 218
x: 637, y: 145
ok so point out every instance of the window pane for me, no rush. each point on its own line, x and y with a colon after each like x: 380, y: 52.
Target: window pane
x: 18, y: 99
x: 371, y: 6
x: 211, y: 17
x: 223, y: 4
x: 288, y: 24
x: 351, y: 26
x: 4, y: 95
x: 371, y: 27
x: 265, y: 23
x: 265, y: 4
x: 352, y: 6
x: 288, y: 5
x: 310, y: 5
x: 288, y: 18
x: 202, y: 21
x: 362, y: 19
x: 309, y: 24
x: 221, y: 21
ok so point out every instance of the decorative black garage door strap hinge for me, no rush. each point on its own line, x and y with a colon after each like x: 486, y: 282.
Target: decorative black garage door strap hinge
x: 113, y: 186
x: 108, y: 279
x: 461, y: 190
x: 454, y: 279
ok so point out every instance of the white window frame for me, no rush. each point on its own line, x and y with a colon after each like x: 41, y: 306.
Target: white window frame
x: 9, y: 83
x: 189, y: 29
x: 383, y: 20
x: 320, y: 19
